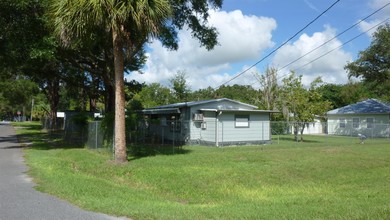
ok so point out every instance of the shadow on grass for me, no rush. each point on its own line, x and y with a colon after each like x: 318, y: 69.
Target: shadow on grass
x: 32, y: 136
x: 28, y: 127
x: 291, y: 139
x: 137, y: 151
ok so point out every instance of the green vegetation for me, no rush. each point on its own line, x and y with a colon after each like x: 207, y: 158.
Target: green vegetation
x: 322, y: 178
x: 372, y: 65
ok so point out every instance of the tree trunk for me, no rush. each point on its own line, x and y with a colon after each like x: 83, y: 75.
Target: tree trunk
x: 302, y: 129
x: 92, y: 105
x: 296, y: 129
x: 109, y: 102
x: 109, y: 93
x: 52, y: 94
x: 119, y: 128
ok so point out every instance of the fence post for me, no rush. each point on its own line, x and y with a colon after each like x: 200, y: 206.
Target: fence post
x: 96, y: 135
x: 173, y: 133
x: 162, y: 135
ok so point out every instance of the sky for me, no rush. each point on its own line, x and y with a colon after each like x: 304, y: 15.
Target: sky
x: 250, y: 31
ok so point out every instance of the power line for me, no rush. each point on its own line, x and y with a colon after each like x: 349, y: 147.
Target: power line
x: 273, y: 51
x: 357, y: 23
x: 319, y: 57
x: 365, y: 18
x: 328, y: 52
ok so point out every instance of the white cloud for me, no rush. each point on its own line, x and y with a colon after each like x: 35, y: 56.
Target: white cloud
x: 330, y: 67
x: 378, y: 17
x: 241, y: 38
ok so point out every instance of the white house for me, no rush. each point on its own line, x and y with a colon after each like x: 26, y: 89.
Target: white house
x: 217, y: 122
x: 315, y: 127
x: 370, y: 117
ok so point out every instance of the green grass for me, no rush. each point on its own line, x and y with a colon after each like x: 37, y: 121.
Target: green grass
x: 322, y: 178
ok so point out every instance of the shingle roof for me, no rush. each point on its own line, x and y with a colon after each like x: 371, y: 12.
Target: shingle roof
x: 369, y: 106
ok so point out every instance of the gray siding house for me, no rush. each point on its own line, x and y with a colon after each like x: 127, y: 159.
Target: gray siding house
x: 217, y: 122
x: 370, y: 117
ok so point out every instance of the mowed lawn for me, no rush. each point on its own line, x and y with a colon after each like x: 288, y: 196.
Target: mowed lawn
x: 322, y: 178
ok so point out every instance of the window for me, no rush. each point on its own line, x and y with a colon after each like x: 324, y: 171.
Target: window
x: 342, y: 122
x: 242, y: 121
x: 163, y: 121
x: 370, y: 122
x: 355, y: 122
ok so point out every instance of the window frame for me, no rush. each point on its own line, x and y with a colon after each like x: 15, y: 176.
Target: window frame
x: 370, y: 124
x: 342, y: 122
x: 355, y: 124
x: 241, y: 123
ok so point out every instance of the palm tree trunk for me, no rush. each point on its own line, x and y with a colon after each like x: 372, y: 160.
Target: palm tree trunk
x: 119, y: 129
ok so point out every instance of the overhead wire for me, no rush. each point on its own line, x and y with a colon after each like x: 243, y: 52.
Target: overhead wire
x: 341, y: 33
x: 280, y: 46
x: 328, y: 52
x: 319, y: 57
x: 349, y: 28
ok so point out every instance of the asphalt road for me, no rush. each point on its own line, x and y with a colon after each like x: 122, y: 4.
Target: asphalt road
x: 18, y: 199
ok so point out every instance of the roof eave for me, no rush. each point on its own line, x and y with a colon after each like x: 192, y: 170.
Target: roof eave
x: 161, y: 111
x: 238, y: 110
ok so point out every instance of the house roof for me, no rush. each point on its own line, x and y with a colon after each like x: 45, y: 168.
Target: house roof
x: 175, y: 108
x: 194, y: 103
x: 369, y: 106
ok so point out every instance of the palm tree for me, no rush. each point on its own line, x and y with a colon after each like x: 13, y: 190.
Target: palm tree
x: 128, y: 22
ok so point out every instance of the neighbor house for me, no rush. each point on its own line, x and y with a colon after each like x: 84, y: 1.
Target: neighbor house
x: 315, y: 127
x: 370, y: 117
x: 217, y: 122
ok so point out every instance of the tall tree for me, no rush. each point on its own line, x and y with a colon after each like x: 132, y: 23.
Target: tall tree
x: 353, y: 92
x: 301, y: 105
x: 203, y: 94
x: 28, y: 49
x: 17, y: 95
x: 242, y: 93
x: 373, y: 64
x: 180, y: 88
x: 153, y: 95
x: 130, y: 24
x: 342, y: 95
x: 269, y: 88
x: 332, y: 93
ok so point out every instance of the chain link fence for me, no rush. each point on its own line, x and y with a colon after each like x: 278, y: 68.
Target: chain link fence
x: 375, y: 130
x: 96, y: 135
x: 181, y: 132
x: 177, y: 133
x: 48, y: 124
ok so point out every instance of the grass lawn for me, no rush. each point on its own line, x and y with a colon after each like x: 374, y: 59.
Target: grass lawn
x: 322, y: 178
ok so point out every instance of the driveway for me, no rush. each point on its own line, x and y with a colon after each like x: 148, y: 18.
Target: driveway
x: 18, y: 199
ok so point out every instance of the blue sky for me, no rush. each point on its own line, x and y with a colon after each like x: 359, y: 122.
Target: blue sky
x: 251, y: 29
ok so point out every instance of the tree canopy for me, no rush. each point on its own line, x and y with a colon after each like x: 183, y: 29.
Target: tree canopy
x: 301, y: 105
x: 373, y: 64
x: 180, y: 88
x: 129, y: 25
